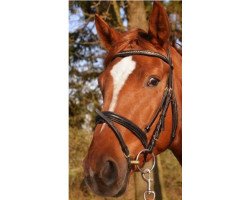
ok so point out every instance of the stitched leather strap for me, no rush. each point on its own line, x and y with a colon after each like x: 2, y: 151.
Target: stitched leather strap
x: 116, y: 131
x: 145, y: 53
x: 126, y: 123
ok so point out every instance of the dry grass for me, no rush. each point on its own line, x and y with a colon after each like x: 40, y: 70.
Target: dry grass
x: 79, y: 141
x: 172, y: 175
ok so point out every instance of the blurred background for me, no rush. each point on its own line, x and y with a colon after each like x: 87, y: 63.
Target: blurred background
x: 85, y: 64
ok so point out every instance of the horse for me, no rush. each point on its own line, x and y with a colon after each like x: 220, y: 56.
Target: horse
x: 142, y: 103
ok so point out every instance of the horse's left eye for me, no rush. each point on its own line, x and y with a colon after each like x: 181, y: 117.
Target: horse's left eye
x: 152, y: 82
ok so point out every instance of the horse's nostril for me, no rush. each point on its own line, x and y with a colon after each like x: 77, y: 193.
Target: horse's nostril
x: 109, y: 173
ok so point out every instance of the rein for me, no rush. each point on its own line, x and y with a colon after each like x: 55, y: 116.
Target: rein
x: 167, y: 98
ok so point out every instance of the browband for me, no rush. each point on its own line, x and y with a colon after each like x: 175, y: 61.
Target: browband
x: 144, y: 53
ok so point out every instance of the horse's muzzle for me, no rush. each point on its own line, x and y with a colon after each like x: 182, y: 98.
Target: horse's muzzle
x: 107, y: 179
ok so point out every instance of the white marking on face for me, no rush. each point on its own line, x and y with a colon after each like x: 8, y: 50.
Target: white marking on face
x: 120, y: 73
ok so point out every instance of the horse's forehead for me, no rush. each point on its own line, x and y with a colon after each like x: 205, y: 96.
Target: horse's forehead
x: 125, y: 65
x: 146, y: 61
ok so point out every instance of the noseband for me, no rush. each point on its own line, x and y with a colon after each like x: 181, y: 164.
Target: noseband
x: 167, y: 98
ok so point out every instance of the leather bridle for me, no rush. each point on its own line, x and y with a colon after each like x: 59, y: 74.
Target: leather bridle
x: 168, y: 97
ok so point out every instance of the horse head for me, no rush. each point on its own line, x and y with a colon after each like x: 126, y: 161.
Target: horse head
x: 133, y: 84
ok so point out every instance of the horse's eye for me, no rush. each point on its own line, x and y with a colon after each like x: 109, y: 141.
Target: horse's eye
x: 152, y: 82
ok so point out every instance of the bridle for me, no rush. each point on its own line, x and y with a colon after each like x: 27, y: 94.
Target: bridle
x: 168, y: 97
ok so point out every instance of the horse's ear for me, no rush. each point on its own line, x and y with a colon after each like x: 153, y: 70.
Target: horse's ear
x: 107, y: 35
x: 159, y: 27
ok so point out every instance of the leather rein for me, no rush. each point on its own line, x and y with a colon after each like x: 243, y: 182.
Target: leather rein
x: 168, y: 98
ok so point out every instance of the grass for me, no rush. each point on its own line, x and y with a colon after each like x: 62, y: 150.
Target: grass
x: 79, y: 141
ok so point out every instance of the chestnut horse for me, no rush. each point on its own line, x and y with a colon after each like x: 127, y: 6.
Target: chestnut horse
x: 139, y: 68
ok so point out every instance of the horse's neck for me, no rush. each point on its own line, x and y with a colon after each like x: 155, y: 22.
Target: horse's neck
x: 176, y: 146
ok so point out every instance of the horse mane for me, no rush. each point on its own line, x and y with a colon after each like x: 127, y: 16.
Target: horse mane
x: 134, y: 39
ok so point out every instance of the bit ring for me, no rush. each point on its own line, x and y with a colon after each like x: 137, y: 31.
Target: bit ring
x: 137, y: 159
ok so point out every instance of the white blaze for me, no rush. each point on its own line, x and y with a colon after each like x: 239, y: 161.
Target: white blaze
x: 120, y: 73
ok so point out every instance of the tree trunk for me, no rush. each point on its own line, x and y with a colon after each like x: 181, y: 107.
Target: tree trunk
x: 117, y: 13
x: 137, y: 15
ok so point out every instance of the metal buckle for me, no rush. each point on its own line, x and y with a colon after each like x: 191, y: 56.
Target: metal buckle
x: 146, y: 177
x: 138, y: 156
